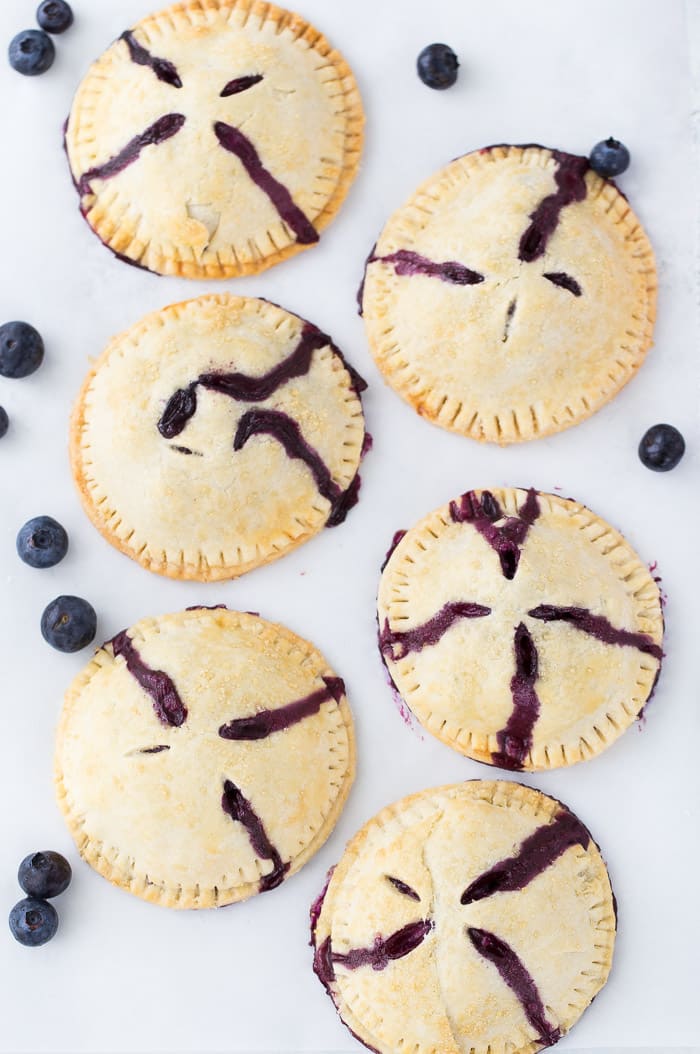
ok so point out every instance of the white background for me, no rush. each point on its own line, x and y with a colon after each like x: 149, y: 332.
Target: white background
x: 123, y: 975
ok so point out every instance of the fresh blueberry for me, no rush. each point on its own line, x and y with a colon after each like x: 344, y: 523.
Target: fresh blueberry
x: 31, y: 52
x: 69, y: 623
x: 609, y: 158
x: 33, y: 922
x: 661, y: 448
x: 437, y: 66
x: 42, y: 542
x: 4, y: 421
x: 21, y: 349
x: 44, y: 874
x: 55, y: 16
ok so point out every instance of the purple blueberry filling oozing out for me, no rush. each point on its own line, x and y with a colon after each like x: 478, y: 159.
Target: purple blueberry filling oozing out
x: 239, y: 809
x: 515, y: 740
x: 536, y: 854
x: 516, y: 976
x: 569, y: 177
x: 229, y: 137
x: 167, y: 703
x: 233, y: 140
x: 506, y: 536
x: 266, y: 722
x: 182, y: 406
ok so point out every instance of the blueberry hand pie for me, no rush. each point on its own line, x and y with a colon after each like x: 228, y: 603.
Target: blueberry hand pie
x: 203, y: 757
x: 216, y: 435
x: 512, y: 296
x: 214, y: 139
x: 520, y: 628
x: 476, y: 917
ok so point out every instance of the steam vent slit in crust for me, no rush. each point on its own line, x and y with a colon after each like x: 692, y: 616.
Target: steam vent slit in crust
x: 217, y: 435
x: 512, y: 295
x: 520, y: 628
x: 203, y: 757
x: 476, y: 917
x: 214, y: 140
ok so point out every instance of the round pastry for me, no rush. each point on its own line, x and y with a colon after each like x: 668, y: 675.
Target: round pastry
x: 512, y: 296
x: 520, y: 628
x: 203, y: 757
x: 217, y: 435
x: 213, y: 140
x: 475, y: 917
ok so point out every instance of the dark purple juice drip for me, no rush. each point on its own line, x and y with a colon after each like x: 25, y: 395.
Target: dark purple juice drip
x: 385, y: 949
x: 361, y: 291
x: 233, y: 140
x: 323, y: 964
x: 207, y: 607
x: 317, y: 905
x: 506, y: 540
x: 406, y: 262
x: 429, y: 632
x: 164, y: 128
x: 403, y: 887
x: 569, y: 177
x: 286, y: 431
x: 164, y: 70
x: 167, y: 703
x: 154, y: 750
x: 515, y: 739
x: 597, y: 626
x: 239, y: 808
x: 120, y: 256
x: 511, y: 969
x: 536, y: 853
x: 390, y: 551
x: 241, y: 84
x: 266, y: 722
x: 564, y: 281
x: 243, y: 387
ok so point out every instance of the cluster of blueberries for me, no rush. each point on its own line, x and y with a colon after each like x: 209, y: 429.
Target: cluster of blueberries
x: 42, y: 876
x: 68, y: 623
x: 32, y: 51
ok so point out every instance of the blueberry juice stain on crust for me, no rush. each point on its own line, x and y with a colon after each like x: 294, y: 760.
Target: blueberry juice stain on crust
x: 515, y: 740
x: 286, y: 431
x: 516, y: 976
x: 229, y: 138
x: 536, y: 853
x: 570, y: 179
x: 398, y: 643
x: 233, y: 140
x: 161, y: 130
x: 483, y: 512
x: 182, y: 406
x: 239, y: 809
x: 597, y: 626
x: 164, y: 70
x: 407, y: 262
x: 167, y: 703
x: 266, y: 722
x: 383, y: 951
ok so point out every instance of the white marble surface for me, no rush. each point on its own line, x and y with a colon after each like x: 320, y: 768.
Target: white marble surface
x: 125, y: 976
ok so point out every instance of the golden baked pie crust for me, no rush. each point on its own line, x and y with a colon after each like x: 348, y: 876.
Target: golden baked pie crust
x: 460, y: 687
x: 437, y: 998
x: 144, y: 506
x: 193, y: 211
x: 152, y: 822
x: 453, y: 352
